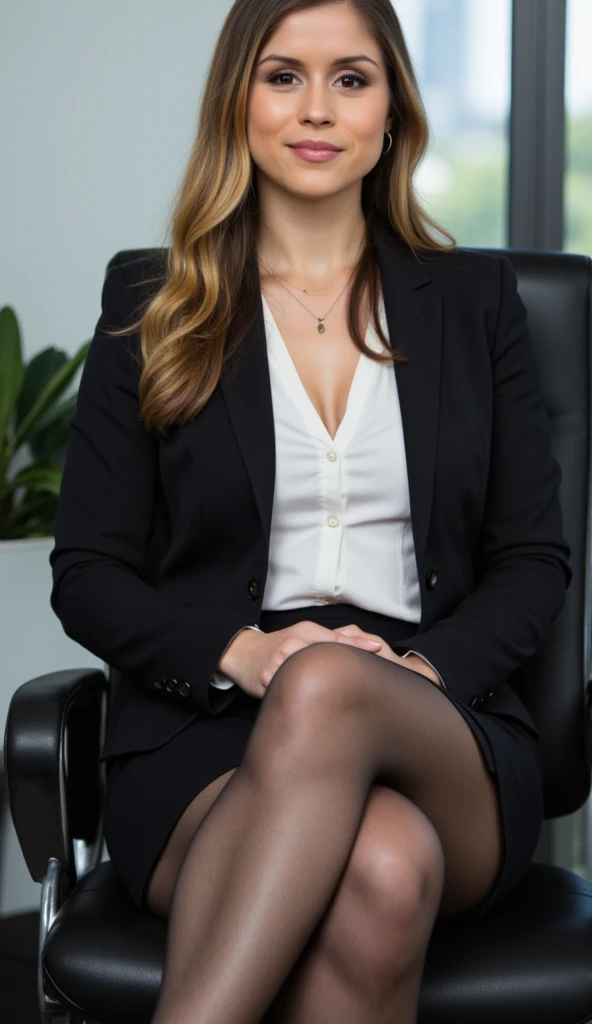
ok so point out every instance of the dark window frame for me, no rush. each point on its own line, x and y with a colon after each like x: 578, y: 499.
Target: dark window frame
x: 537, y: 125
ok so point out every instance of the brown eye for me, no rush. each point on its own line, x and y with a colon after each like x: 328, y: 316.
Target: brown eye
x: 347, y: 74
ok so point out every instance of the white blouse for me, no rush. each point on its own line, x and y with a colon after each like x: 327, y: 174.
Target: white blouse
x: 341, y: 518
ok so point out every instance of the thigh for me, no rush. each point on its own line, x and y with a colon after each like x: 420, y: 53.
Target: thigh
x: 159, y: 890
x: 400, y: 730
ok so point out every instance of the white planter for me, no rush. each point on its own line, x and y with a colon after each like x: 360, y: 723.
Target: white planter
x: 32, y: 642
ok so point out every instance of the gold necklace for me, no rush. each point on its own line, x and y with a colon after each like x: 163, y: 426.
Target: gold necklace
x: 320, y: 319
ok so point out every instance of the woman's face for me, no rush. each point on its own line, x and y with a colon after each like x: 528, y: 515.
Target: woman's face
x: 312, y: 98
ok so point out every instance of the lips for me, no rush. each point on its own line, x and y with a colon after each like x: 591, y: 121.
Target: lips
x: 319, y: 147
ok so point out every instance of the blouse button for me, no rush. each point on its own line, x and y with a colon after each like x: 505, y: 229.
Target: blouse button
x: 331, y: 456
x: 333, y: 521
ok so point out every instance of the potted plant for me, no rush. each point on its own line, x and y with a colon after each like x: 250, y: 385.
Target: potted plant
x: 35, y: 414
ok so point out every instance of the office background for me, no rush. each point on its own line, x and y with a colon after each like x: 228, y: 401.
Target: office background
x: 98, y: 107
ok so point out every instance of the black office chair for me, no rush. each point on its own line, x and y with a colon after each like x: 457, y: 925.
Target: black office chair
x: 529, y: 960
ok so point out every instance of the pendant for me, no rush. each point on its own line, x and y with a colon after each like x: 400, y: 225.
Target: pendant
x: 321, y: 327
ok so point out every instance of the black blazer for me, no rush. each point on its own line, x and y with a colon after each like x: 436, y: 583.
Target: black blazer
x: 161, y: 546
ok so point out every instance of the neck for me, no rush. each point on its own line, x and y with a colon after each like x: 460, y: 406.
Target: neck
x: 309, y: 260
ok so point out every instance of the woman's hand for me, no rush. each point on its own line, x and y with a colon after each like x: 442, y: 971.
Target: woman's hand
x: 253, y: 658
x: 413, y: 661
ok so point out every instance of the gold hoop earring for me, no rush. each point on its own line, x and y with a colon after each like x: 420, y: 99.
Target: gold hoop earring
x: 390, y: 144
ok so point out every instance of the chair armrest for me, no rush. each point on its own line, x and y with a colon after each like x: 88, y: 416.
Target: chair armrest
x: 55, y: 783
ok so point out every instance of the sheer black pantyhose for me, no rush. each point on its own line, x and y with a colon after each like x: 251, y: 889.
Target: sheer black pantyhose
x: 264, y: 865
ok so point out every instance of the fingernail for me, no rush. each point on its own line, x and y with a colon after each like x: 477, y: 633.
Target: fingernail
x: 374, y: 643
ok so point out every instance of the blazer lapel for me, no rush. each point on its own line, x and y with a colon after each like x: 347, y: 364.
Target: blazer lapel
x: 246, y: 391
x: 413, y: 307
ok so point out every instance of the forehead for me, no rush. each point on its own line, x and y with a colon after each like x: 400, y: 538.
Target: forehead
x: 321, y: 33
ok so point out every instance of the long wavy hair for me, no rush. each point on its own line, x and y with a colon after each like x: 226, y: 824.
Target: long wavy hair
x: 211, y: 289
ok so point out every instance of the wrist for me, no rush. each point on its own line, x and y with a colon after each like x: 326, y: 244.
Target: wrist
x: 417, y: 664
x: 234, y: 654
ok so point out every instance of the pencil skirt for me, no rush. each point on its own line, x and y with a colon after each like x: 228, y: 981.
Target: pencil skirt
x: 148, y: 792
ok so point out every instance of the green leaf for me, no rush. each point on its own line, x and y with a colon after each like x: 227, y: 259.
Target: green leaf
x: 64, y: 411
x: 11, y: 376
x: 38, y: 373
x: 34, y: 517
x: 5, y: 507
x: 36, y: 478
x: 51, y: 438
x: 31, y: 504
x: 51, y: 392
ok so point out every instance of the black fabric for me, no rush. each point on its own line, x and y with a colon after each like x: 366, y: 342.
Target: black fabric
x: 148, y: 792
x: 156, y: 586
x: 19, y: 945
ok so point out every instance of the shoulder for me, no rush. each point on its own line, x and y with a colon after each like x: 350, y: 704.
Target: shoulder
x: 458, y: 269
x: 479, y: 279
x: 467, y: 266
x: 133, y: 278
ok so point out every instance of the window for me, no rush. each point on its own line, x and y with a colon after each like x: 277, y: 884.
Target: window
x: 461, y: 51
x: 578, y: 130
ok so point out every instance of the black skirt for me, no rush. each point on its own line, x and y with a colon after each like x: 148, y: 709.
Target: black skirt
x: 148, y: 792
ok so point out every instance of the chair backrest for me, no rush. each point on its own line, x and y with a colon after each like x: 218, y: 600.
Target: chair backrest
x: 554, y: 684
x: 555, y: 288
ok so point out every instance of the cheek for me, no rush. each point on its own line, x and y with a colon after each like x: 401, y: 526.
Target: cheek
x: 365, y: 117
x: 265, y: 114
x: 366, y: 132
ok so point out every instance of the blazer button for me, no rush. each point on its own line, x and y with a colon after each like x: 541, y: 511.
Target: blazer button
x: 184, y: 688
x: 478, y: 701
x: 158, y: 683
x: 169, y: 684
x: 253, y: 588
x: 431, y: 578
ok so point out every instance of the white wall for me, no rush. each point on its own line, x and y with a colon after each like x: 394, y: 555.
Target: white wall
x: 98, y: 111
x: 98, y: 107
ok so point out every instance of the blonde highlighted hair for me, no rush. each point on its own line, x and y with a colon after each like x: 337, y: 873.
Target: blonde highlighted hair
x: 211, y: 288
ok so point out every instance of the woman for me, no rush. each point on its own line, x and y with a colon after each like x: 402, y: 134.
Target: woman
x: 315, y: 574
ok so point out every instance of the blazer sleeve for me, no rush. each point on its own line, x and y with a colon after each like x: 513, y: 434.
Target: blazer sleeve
x: 103, y: 522
x: 221, y: 680
x: 422, y: 656
x: 522, y: 555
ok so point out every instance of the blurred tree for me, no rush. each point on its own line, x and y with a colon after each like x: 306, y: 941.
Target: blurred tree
x: 579, y: 143
x: 578, y: 186
x: 474, y: 205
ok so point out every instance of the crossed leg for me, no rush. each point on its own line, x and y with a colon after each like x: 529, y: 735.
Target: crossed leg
x: 362, y: 808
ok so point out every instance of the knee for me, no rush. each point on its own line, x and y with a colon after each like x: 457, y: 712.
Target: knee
x: 314, y: 690
x: 390, y: 893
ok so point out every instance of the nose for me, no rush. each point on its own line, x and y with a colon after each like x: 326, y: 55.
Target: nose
x: 316, y: 103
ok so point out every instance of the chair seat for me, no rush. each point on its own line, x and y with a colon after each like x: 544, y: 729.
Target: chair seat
x: 530, y: 959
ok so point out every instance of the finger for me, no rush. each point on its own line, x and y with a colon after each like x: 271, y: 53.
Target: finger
x: 354, y: 630
x: 358, y: 641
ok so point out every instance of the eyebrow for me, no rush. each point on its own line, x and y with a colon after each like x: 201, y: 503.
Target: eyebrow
x: 334, y: 63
